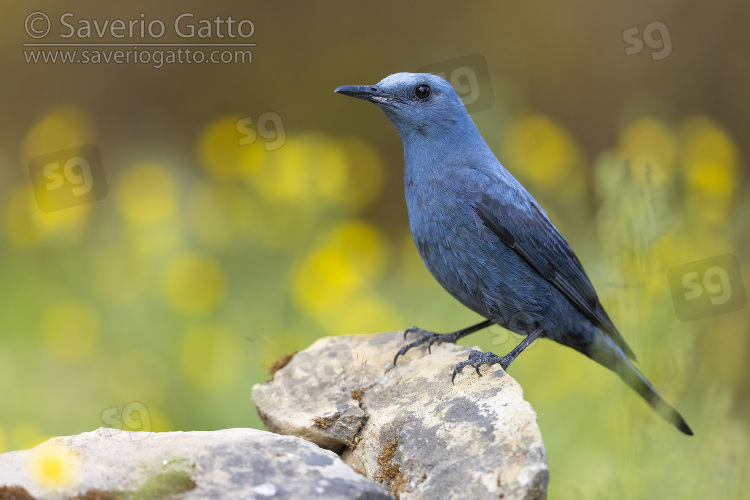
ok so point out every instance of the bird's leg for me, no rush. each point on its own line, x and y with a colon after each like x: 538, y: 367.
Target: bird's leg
x: 478, y: 358
x: 432, y: 337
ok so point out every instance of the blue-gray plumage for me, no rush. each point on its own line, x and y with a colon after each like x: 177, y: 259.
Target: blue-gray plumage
x: 487, y: 241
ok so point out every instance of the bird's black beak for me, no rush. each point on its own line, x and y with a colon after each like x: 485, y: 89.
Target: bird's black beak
x: 368, y: 93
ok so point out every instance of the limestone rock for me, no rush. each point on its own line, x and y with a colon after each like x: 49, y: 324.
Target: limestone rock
x: 421, y: 436
x: 310, y: 397
x: 225, y: 464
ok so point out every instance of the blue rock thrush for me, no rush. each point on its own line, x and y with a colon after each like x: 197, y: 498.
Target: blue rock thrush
x: 488, y: 242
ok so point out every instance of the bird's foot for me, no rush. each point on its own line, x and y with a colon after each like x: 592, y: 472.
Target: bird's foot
x: 479, y: 358
x: 427, y: 336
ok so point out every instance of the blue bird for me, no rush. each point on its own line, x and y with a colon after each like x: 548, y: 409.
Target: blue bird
x: 487, y: 241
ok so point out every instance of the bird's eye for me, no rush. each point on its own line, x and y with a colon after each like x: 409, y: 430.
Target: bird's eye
x: 422, y: 92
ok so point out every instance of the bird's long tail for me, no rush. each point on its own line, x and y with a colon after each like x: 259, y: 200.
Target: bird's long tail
x: 613, y: 358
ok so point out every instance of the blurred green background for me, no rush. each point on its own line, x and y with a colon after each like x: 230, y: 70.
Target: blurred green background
x: 249, y: 210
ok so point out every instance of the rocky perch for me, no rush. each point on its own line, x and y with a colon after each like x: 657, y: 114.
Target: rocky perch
x: 408, y: 426
x: 406, y: 430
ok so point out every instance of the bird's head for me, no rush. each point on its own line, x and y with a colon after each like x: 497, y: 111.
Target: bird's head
x: 417, y: 103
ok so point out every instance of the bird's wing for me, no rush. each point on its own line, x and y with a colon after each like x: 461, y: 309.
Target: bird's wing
x: 530, y: 233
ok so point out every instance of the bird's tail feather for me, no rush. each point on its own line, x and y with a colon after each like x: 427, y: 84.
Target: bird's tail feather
x: 613, y: 358
x: 643, y: 387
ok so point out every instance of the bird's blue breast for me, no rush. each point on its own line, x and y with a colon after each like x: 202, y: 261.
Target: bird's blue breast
x: 470, y: 261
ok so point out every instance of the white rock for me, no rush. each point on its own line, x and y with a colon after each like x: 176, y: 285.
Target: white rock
x: 475, y: 439
x: 227, y: 464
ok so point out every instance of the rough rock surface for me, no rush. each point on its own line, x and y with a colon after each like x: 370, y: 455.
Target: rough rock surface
x: 226, y: 464
x: 420, y: 435
x: 308, y: 397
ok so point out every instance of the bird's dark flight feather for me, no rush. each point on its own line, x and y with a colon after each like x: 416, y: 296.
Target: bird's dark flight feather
x: 535, y: 239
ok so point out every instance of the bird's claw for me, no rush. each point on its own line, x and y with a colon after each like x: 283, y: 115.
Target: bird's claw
x: 415, y: 329
x: 401, y: 352
x: 477, y: 359
x: 426, y: 336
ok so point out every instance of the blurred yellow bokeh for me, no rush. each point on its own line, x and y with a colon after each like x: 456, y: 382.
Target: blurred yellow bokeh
x: 71, y: 330
x: 541, y: 152
x: 308, y: 170
x: 63, y: 127
x: 711, y: 162
x: 249, y: 210
x: 27, y: 435
x: 119, y: 277
x: 650, y: 147
x: 53, y: 465
x: 365, y: 178
x: 137, y: 375
x: 219, y: 215
x: 365, y: 313
x: 147, y: 195
x: 193, y: 283
x: 27, y: 226
x: 221, y: 153
x: 210, y: 356
x: 349, y: 259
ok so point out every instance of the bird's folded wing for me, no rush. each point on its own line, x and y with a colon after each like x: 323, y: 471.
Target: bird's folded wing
x: 529, y: 232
